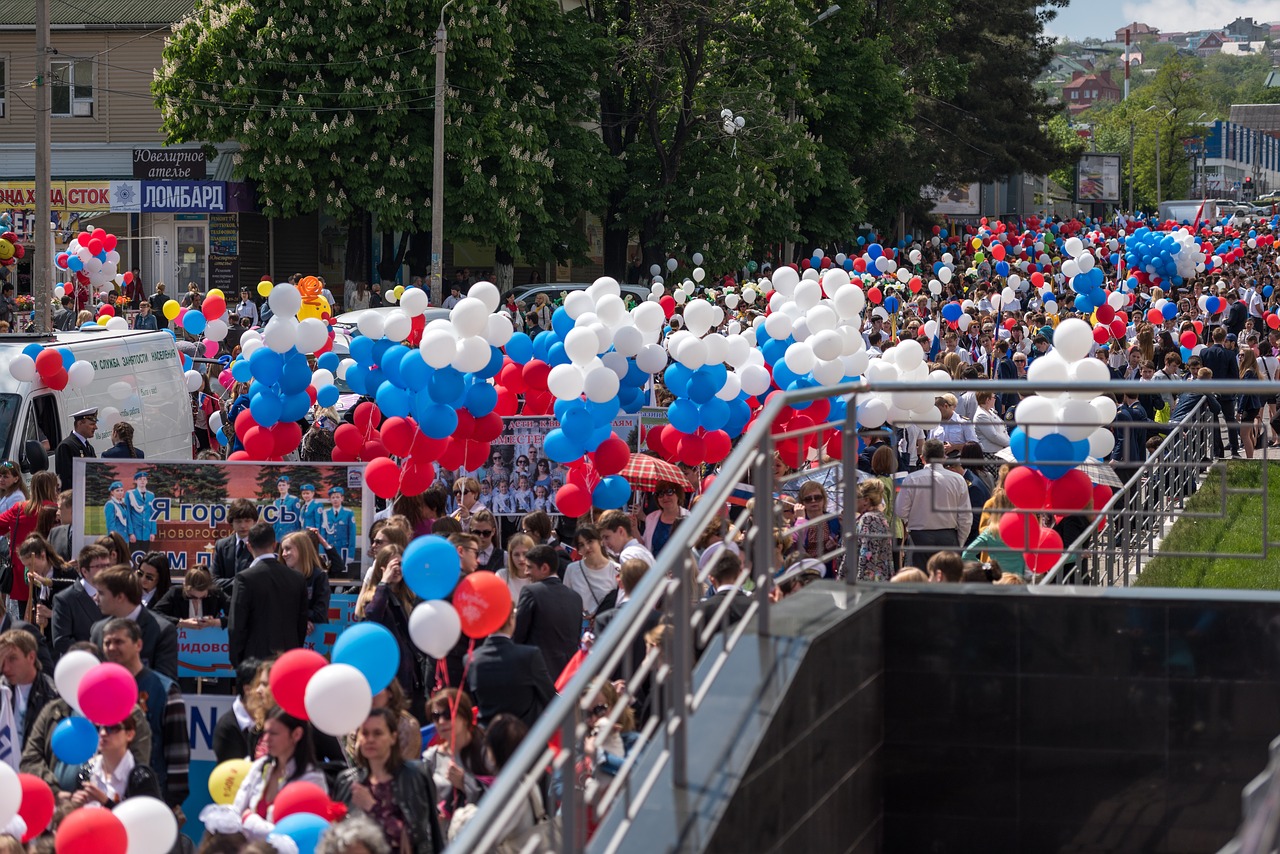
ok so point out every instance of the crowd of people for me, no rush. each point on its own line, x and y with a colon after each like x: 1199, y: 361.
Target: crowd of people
x: 928, y: 504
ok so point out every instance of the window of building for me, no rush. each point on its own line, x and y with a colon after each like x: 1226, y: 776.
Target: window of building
x: 4, y: 79
x: 1075, y: 94
x: 71, y: 88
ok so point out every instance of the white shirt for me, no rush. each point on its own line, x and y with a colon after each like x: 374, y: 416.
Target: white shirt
x: 934, y: 499
x: 955, y: 431
x: 115, y: 783
x: 635, y: 549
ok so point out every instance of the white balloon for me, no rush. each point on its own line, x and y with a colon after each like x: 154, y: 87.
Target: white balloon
x: 1073, y: 246
x: 800, y: 358
x: 672, y: 264
x: 498, y: 330
x: 285, y: 300
x: 1101, y: 443
x: 778, y: 325
x: 486, y: 292
x: 652, y: 358
x: 472, y: 355
x: 872, y: 412
x: 469, y: 317
x: 322, y: 377
x: 215, y: 422
x: 216, y: 330
x: 611, y: 309
x: 414, y: 301
x: 1085, y: 262
x: 649, y: 317
x: 80, y: 374
x: 1077, y: 419
x: 784, y: 280
x: 23, y: 368
x: 338, y: 698
x: 565, y: 382
x: 1105, y: 410
x: 698, y: 317
x: 828, y: 372
x: 1049, y: 368
x: 699, y: 274
x: 827, y: 345
x: 149, y: 823
x: 749, y: 295
x: 692, y: 353
x: 347, y: 364
x: 1073, y: 339
x: 71, y: 668
x: 732, y: 387
x: 1091, y: 371
x: 628, y: 340
x: 908, y: 354
x: 1037, y: 416
x: 370, y: 324
x: 11, y: 794
x: 807, y: 294
x: 577, y: 303
x: 697, y: 258
x: 108, y: 417
x: 434, y: 627
x: 194, y: 381
x: 281, y: 334
x: 601, y: 384
x: 755, y: 379
x: 580, y: 345
x: 438, y: 348
x: 313, y: 333
x: 396, y: 325
x: 119, y: 324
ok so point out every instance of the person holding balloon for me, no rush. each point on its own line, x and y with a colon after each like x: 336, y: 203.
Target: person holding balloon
x: 388, y: 601
x: 289, y: 757
x: 113, y: 774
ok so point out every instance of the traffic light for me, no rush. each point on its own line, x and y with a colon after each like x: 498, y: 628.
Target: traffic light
x: 1246, y: 190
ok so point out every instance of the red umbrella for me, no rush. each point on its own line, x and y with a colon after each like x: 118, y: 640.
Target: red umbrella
x: 644, y: 473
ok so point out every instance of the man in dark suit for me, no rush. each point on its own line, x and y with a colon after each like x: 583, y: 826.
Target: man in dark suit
x: 726, y: 575
x: 509, y: 677
x: 74, y: 609
x: 268, y: 603
x: 31, y: 685
x: 120, y: 595
x: 231, y: 555
x: 60, y: 536
x: 76, y: 444
x: 548, y: 614
x: 1224, y: 362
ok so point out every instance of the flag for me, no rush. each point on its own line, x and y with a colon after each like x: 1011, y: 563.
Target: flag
x: 10, y: 739
x: 1199, y: 213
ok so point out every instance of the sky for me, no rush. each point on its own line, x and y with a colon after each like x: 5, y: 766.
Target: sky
x: 1101, y: 18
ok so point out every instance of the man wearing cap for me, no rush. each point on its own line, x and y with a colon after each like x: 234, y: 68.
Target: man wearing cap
x: 83, y: 425
x: 116, y: 511
x: 338, y: 525
x: 287, y: 518
x: 142, y: 525
x: 309, y: 507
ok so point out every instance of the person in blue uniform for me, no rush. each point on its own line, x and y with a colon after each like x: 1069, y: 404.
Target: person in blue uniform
x: 309, y: 508
x: 116, y: 511
x: 288, y: 519
x: 338, y: 525
x: 141, y: 501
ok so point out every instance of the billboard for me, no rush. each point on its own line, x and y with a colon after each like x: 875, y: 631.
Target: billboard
x: 180, y: 508
x: 1098, y: 178
x: 964, y: 200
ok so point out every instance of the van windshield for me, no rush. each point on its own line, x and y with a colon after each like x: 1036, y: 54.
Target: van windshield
x: 9, y: 405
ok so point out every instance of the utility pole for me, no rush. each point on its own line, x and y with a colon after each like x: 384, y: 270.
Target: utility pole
x: 42, y: 263
x: 1159, y: 196
x: 1127, y: 42
x: 437, y: 170
x: 1131, y: 209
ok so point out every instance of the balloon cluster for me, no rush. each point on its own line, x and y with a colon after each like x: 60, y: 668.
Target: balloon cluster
x: 1162, y: 257
x: 93, y: 259
x: 11, y: 251
x: 102, y: 694
x: 56, y: 367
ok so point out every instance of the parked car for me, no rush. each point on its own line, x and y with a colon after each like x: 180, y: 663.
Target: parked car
x: 526, y: 293
x: 346, y: 325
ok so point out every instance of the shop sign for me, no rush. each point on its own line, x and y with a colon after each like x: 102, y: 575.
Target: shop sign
x: 63, y: 195
x: 169, y: 164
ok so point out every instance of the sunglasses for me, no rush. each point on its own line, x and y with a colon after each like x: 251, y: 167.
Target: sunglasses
x: 440, y: 716
x: 462, y: 492
x: 480, y: 533
x: 598, y: 711
x: 812, y: 499
x: 107, y: 730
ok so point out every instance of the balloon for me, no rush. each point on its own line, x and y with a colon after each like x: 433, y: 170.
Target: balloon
x: 1019, y: 530
x: 303, y: 828
x: 225, y: 779
x: 612, y: 456
x: 170, y: 309
x: 483, y: 603
x: 80, y: 375
x: 37, y: 805
x: 338, y: 698
x: 1069, y: 493
x: 108, y: 694
x: 23, y: 368
x: 149, y: 824
x: 299, y: 797
x: 434, y: 628
x: 75, y: 740
x: 431, y: 567
x: 290, y: 676
x: 1026, y: 488
x: 371, y: 649
x: 70, y: 670
x: 89, y: 831
x: 1047, y: 554
x: 382, y: 476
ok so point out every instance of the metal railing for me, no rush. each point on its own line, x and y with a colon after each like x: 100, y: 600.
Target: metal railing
x: 826, y: 535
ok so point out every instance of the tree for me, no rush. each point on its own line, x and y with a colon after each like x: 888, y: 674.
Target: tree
x: 1172, y: 107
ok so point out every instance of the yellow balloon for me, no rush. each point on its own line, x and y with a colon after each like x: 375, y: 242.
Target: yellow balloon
x: 102, y: 321
x: 215, y: 292
x: 6, y: 250
x: 171, y: 309
x: 264, y: 288
x: 399, y: 292
x: 975, y: 243
x: 225, y: 779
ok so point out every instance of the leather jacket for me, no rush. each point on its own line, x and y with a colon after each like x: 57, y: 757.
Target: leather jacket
x: 415, y: 794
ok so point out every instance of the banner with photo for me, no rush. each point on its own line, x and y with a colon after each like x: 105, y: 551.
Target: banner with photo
x: 180, y: 508
x: 519, y: 479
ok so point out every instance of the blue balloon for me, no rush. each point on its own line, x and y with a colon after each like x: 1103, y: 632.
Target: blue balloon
x: 241, y: 371
x: 296, y: 375
x: 577, y: 426
x: 371, y: 649
x: 329, y: 361
x: 520, y: 348
x: 495, y: 364
x: 1053, y: 455
x: 414, y: 371
x: 739, y: 415
x: 436, y: 420
x: 701, y: 387
x: 561, y: 323
x: 952, y: 311
x: 194, y: 322
x: 683, y: 415
x: 481, y: 399
x: 75, y: 740
x: 773, y: 350
x: 611, y: 493
x: 357, y: 379
x: 361, y: 349
x: 304, y: 829
x: 390, y: 363
x: 676, y: 378
x: 431, y: 567
x: 631, y: 400
x: 1170, y: 311
x: 874, y: 251
x: 1267, y: 291
x: 714, y: 414
x: 393, y: 400
x: 327, y: 395
x: 32, y: 350
x: 543, y: 343
x: 295, y: 407
x: 267, y: 365
x: 784, y: 376
x: 68, y: 358
x: 266, y: 407
x: 1022, y: 445
x: 559, y: 447
x: 75, y: 264
x: 446, y: 385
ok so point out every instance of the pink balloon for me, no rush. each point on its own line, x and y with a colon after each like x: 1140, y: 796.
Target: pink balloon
x: 108, y: 694
x: 225, y: 379
x: 210, y: 349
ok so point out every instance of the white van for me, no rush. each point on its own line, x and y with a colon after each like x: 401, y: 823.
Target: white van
x: 34, y: 418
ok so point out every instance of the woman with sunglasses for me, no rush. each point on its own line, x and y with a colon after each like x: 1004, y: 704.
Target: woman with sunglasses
x: 155, y: 576
x: 816, y: 537
x: 388, y: 601
x: 484, y: 527
x: 466, y: 491
x: 662, y: 523
x: 113, y: 774
x: 456, y: 755
x: 37, y: 515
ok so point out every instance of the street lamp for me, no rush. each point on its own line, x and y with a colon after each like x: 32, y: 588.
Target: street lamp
x: 437, y: 171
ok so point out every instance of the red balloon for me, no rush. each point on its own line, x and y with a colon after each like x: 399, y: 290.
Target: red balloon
x: 1101, y: 334
x: 57, y: 381
x: 488, y: 427
x: 373, y: 449
x: 573, y: 499
x: 366, y: 417
x: 347, y: 437
x: 1118, y: 329
x: 483, y: 603
x: 258, y: 442
x: 508, y: 404
x: 717, y: 445
x: 1105, y: 313
x: 791, y: 452
x: 998, y: 251
x: 1188, y: 339
x: 289, y: 677
x: 88, y: 831
x: 474, y: 454
x: 611, y: 457
x: 382, y: 476
x: 1027, y: 488
x: 668, y: 304
x: 1101, y: 495
x: 1037, y: 279
x: 237, y: 456
x: 37, y: 805
x: 538, y: 403
x: 654, y: 441
x: 48, y: 363
x: 1069, y: 493
x: 1019, y: 530
x: 1154, y: 316
x: 95, y: 246
x: 512, y: 377
x: 339, y: 456
x: 416, y: 479
x: 106, y: 311
x: 452, y: 453
x: 288, y: 437
x: 535, y: 375
x: 213, y: 308
x: 466, y: 425
x: 1047, y: 554
x: 300, y: 796
x: 398, y: 435
x: 691, y: 450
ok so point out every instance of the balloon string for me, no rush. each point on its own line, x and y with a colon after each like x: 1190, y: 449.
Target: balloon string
x: 457, y: 696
